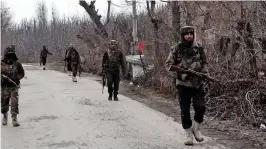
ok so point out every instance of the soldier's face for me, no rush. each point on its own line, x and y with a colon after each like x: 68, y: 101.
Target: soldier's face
x: 113, y: 46
x: 10, y: 54
x: 189, y: 36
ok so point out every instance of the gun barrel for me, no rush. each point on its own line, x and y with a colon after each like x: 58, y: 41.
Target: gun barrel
x: 201, y: 75
x: 10, y: 80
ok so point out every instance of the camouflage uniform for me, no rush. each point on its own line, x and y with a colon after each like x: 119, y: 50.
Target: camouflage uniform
x: 12, y: 69
x: 73, y: 59
x: 189, y: 55
x: 112, y: 60
x: 43, y: 56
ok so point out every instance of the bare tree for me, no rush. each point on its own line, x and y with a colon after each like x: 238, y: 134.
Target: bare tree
x: 90, y: 8
x: 42, y: 13
x: 176, y: 20
x: 5, y: 17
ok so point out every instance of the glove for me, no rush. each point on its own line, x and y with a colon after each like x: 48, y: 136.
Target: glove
x: 174, y: 68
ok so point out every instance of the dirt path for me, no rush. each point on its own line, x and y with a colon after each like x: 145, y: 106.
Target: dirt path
x: 58, y: 113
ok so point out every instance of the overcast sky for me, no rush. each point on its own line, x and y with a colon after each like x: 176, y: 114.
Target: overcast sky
x: 21, y: 9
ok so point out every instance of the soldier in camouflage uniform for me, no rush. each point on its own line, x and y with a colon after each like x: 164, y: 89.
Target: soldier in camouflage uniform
x: 74, y: 59
x: 43, y: 56
x: 112, y: 60
x: 11, y: 70
x: 188, y: 54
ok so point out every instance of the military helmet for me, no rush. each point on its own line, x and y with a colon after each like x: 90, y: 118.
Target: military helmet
x: 187, y: 29
x: 10, y: 49
x: 113, y: 42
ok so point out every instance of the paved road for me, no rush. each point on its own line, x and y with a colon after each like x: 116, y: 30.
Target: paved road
x: 57, y: 113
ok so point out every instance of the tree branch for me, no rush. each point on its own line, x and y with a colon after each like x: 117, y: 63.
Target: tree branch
x: 151, y: 13
x: 108, y: 13
x: 94, y: 16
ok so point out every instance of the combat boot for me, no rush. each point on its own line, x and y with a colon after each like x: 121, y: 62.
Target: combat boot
x: 74, y: 79
x: 110, y: 97
x: 4, y: 120
x: 188, y: 137
x: 196, y: 131
x: 14, y: 121
x: 116, y: 98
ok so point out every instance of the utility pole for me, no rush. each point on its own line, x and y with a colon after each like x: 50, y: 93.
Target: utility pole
x: 134, y: 33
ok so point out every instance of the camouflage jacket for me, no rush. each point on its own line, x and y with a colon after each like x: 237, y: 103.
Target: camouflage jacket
x: 112, y: 60
x: 187, y: 58
x: 73, y: 56
x: 13, y: 70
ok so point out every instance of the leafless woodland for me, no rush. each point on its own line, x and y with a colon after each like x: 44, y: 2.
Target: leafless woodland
x: 222, y: 27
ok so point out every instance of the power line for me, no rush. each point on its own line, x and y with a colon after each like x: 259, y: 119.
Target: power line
x: 121, y: 5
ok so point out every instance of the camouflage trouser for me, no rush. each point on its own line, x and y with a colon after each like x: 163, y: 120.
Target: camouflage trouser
x: 8, y: 94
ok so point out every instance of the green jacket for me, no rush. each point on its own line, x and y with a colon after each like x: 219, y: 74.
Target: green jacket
x: 187, y: 58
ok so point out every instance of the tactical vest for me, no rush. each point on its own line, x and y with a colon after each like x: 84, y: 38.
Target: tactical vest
x: 189, y: 58
x: 113, y: 60
x: 11, y: 73
x: 74, y: 57
x: 12, y: 69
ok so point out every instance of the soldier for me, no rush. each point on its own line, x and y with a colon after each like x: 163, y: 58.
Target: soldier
x: 43, y: 56
x: 188, y: 54
x: 73, y: 59
x: 11, y: 74
x: 112, y: 60
x: 67, y: 61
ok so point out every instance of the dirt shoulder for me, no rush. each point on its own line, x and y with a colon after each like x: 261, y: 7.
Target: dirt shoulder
x: 228, y: 133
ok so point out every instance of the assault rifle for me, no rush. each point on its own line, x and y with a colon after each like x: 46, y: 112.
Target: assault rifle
x: 40, y: 61
x: 65, y: 60
x: 103, y: 81
x: 192, y: 72
x: 10, y: 80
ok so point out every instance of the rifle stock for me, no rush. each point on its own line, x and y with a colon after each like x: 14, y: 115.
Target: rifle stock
x: 200, y: 74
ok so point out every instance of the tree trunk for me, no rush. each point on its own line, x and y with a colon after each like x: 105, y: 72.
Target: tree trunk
x: 176, y: 21
x: 95, y: 17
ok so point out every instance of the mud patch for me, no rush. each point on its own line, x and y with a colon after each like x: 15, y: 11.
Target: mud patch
x: 89, y: 102
x: 43, y: 137
x: 37, y: 119
x: 86, y: 101
x: 84, y: 144
x: 62, y: 144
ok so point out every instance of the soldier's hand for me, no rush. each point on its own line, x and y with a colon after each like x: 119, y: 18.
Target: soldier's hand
x: 205, y: 70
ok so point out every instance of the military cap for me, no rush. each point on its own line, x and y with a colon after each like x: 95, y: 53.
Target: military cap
x: 187, y: 29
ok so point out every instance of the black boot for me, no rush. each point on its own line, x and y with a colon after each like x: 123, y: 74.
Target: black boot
x: 110, y: 97
x: 115, y: 97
